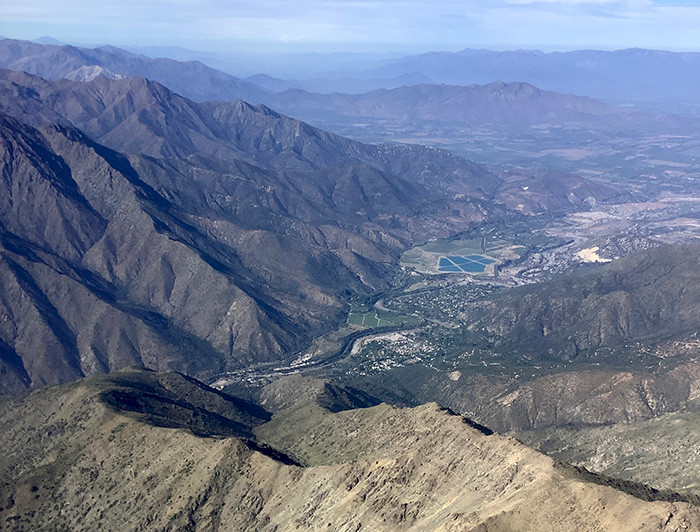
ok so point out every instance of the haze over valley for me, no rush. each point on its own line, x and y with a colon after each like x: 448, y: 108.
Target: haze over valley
x: 430, y: 290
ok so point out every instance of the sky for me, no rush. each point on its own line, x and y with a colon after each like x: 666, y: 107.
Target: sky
x: 382, y: 26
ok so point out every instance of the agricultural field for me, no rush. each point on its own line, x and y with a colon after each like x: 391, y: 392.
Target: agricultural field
x: 370, y: 317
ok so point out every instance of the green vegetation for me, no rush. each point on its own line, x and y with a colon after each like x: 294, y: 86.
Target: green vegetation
x: 455, y: 247
x: 441, y: 303
x: 366, y: 316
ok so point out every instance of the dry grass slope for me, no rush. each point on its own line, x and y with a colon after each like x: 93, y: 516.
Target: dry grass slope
x: 72, y: 462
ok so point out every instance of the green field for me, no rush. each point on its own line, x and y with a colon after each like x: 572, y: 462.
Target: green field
x: 454, y: 247
x: 370, y: 317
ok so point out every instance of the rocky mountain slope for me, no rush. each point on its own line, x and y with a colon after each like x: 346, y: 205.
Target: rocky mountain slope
x: 575, y: 398
x: 100, y: 271
x: 76, y: 458
x: 661, y: 451
x: 514, y: 398
x: 653, y: 296
x: 237, y: 244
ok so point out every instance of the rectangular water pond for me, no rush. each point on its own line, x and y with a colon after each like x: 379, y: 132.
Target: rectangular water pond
x: 468, y: 264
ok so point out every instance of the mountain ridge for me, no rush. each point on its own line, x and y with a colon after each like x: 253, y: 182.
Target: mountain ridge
x: 286, y: 219
x: 495, y: 101
x: 666, y: 74
x: 67, y: 61
x: 644, y: 297
x: 73, y: 460
x: 514, y: 104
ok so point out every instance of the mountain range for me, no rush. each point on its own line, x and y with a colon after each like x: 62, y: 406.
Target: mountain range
x: 514, y: 104
x: 190, y: 78
x: 204, y: 237
x: 202, y: 459
x: 150, y: 238
x: 216, y: 234
x: 160, y: 216
x: 621, y: 74
x: 651, y: 297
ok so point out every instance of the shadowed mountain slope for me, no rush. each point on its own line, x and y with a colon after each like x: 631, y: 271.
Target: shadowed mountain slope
x: 73, y: 459
x: 294, y: 390
x: 237, y: 244
x: 143, y: 117
x: 104, y: 272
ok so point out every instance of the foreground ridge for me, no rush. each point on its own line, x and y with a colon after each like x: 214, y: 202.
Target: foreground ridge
x: 73, y: 461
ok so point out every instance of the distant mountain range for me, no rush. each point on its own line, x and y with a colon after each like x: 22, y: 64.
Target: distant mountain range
x: 494, y: 104
x: 191, y: 78
x: 623, y: 74
x: 410, y: 101
x: 346, y: 85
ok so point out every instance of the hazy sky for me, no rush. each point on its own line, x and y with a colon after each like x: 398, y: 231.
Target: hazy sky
x: 360, y: 25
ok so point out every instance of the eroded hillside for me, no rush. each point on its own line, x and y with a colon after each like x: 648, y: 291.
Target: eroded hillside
x: 77, y: 459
